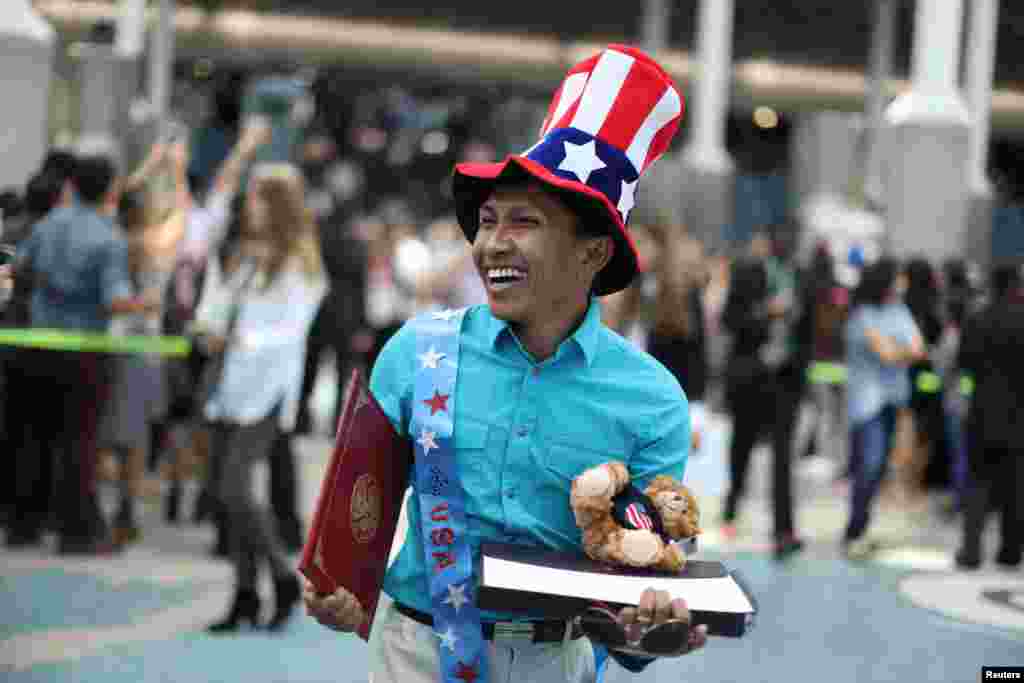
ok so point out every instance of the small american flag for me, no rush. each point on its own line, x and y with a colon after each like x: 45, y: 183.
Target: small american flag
x: 638, y: 517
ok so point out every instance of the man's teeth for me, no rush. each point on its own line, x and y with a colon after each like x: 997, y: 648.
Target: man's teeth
x: 512, y: 273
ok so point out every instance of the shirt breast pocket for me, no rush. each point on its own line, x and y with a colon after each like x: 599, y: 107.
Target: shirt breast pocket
x: 567, y: 461
x: 563, y: 463
x: 476, y: 474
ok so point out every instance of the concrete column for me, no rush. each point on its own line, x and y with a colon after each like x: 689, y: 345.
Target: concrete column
x: 100, y: 84
x: 27, y: 51
x: 981, y: 53
x: 708, y: 187
x: 879, y: 71
x: 927, y: 144
x: 134, y: 112
x: 655, y: 27
x: 161, y: 60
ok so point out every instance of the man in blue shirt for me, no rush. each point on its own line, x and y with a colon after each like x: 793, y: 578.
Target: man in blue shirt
x: 544, y: 390
x: 77, y: 264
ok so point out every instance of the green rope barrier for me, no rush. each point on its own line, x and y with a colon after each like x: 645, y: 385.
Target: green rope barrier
x: 89, y: 342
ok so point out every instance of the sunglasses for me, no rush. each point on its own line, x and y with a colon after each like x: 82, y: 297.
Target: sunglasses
x: 667, y: 639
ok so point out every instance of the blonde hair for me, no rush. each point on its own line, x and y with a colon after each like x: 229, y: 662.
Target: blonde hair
x: 292, y: 228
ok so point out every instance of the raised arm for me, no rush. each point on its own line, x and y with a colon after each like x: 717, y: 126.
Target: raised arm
x: 229, y: 176
x: 149, y: 165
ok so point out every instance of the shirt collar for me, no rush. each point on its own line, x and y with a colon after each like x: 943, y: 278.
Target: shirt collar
x: 585, y: 337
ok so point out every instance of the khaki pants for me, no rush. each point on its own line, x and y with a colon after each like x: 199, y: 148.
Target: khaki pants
x: 405, y: 651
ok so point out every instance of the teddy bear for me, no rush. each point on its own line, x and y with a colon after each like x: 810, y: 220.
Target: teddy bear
x: 624, y: 526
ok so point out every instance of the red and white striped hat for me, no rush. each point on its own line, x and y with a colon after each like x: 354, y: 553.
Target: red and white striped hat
x: 613, y: 116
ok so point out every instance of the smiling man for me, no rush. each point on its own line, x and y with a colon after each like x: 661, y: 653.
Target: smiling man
x: 509, y: 401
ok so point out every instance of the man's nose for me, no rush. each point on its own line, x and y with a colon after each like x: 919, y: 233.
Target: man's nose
x: 495, y: 240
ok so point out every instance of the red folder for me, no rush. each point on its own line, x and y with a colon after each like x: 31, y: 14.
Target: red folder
x: 360, y: 499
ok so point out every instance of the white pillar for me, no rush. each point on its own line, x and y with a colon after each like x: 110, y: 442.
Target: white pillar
x: 926, y: 167
x: 26, y: 68
x: 981, y: 60
x: 709, y: 186
x: 933, y: 94
x: 709, y: 104
x: 879, y: 71
x: 131, y: 29
x: 655, y: 26
x: 981, y: 53
x: 161, y: 59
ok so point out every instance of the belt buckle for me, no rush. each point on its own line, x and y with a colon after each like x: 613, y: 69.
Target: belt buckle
x: 513, y: 630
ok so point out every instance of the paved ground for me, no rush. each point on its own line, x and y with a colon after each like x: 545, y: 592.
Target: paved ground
x: 906, y: 616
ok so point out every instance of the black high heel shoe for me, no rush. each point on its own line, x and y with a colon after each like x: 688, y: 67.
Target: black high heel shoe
x: 245, y: 608
x: 286, y: 596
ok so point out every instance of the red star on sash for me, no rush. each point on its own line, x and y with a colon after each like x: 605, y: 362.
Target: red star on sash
x: 466, y: 672
x: 438, y: 403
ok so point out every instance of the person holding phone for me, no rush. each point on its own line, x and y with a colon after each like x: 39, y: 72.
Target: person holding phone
x: 254, y: 316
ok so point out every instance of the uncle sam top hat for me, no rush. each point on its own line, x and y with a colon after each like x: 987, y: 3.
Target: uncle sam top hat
x: 613, y: 116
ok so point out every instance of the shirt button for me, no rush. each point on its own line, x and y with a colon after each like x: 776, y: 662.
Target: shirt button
x: 522, y: 431
x: 511, y: 493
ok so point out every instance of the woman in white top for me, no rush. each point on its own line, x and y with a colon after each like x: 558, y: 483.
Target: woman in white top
x: 257, y: 310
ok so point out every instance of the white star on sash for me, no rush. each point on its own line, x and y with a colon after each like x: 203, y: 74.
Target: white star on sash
x: 627, y: 200
x: 448, y: 638
x: 426, y: 440
x: 430, y: 358
x: 456, y: 597
x: 446, y: 315
x: 581, y: 160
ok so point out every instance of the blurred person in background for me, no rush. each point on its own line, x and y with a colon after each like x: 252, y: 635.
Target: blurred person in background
x: 154, y: 226
x: 763, y: 385
x: 256, y: 314
x: 44, y: 191
x: 213, y: 141
x: 827, y: 301
x: 990, y: 353
x: 676, y: 338
x: 78, y: 265
x: 881, y: 341
x: 341, y: 315
x: 451, y: 279
x: 215, y: 229
x: 930, y: 463
x: 961, y: 301
x: 628, y: 311
x: 397, y: 260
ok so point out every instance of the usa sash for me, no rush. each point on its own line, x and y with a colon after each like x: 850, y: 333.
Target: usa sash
x: 441, y: 499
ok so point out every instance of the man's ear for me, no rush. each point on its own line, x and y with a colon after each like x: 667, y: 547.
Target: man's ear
x: 598, y: 253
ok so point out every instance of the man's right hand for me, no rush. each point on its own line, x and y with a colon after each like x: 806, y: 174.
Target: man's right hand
x: 340, y: 611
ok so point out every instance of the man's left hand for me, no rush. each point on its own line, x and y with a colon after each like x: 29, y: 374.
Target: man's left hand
x: 657, y: 607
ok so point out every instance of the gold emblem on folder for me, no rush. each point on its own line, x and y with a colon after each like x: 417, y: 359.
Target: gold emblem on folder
x: 365, y: 508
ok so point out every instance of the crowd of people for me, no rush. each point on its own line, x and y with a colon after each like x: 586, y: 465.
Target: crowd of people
x: 271, y: 268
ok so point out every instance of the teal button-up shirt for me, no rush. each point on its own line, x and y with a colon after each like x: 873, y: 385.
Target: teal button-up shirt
x: 524, y: 430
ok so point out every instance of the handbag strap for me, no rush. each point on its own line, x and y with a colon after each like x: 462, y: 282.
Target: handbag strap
x: 235, y: 305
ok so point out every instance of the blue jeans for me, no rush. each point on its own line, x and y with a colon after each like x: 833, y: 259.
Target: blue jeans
x: 957, y: 439
x: 870, y: 443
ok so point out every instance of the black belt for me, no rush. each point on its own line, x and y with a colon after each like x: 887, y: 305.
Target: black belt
x: 546, y: 631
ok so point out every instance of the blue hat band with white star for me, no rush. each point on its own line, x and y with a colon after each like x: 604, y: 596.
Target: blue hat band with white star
x: 572, y: 154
